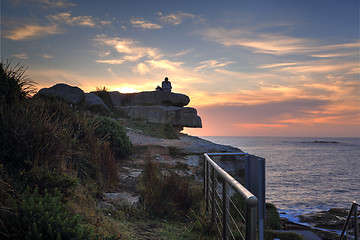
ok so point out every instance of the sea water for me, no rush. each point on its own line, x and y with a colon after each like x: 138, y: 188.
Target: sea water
x: 305, y: 175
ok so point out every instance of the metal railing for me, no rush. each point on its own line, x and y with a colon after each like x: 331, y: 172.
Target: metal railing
x: 353, y: 215
x: 222, y: 206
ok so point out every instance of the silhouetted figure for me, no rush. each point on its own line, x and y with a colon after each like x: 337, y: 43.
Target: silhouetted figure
x: 166, y: 85
x: 158, y: 89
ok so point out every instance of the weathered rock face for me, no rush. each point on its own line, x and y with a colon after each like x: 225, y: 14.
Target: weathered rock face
x: 154, y: 106
x: 94, y: 101
x: 149, y: 99
x: 176, y: 116
x: 70, y: 94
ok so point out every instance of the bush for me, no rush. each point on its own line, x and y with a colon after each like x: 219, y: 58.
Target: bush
x: 166, y: 195
x: 46, y: 217
x: 273, y: 220
x: 49, y: 181
x: 114, y: 132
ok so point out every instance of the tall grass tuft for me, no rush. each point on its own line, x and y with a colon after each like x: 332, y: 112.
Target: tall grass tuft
x: 47, y: 133
x: 14, y: 84
x: 166, y: 195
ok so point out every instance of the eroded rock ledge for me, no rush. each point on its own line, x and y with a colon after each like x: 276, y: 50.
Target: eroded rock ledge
x: 153, y: 106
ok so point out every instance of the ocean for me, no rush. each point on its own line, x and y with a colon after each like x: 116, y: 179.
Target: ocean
x: 302, y: 175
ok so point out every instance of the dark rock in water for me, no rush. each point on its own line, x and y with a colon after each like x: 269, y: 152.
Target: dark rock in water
x: 332, y: 219
x: 70, y: 94
x: 316, y: 141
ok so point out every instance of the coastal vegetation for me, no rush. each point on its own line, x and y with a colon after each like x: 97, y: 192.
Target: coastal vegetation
x: 57, y: 160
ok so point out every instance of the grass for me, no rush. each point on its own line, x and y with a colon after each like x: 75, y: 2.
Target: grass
x: 166, y: 195
x: 48, y: 145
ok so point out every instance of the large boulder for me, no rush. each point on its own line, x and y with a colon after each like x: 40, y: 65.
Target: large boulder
x: 95, y: 102
x: 70, y: 94
x: 149, y: 99
x: 176, y: 116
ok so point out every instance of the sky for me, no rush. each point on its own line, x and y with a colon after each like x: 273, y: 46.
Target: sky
x: 250, y: 68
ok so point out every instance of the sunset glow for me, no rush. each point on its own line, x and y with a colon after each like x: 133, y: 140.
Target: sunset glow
x: 258, y: 69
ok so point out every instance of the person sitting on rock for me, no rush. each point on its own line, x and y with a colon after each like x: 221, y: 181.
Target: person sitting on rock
x: 166, y: 85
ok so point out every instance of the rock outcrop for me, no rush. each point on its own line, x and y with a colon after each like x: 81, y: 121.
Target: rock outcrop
x: 176, y: 116
x: 95, y: 102
x: 149, y: 99
x: 155, y: 106
x: 70, y: 94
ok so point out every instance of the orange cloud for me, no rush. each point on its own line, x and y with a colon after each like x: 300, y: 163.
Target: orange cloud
x: 130, y: 49
x: 27, y: 32
x: 66, y: 18
x: 141, y: 23
x: 275, y: 44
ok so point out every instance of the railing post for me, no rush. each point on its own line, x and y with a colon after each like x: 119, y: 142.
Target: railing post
x: 225, y: 209
x: 356, y: 222
x: 207, y: 185
x: 213, y: 194
x: 250, y: 222
x: 205, y: 175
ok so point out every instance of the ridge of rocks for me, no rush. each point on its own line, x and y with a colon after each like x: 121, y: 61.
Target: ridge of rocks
x: 152, y: 106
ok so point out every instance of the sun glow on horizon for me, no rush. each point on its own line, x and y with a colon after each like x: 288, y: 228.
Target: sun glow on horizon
x: 126, y: 90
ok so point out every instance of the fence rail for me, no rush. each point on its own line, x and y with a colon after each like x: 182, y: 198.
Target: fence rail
x: 353, y: 214
x: 229, y: 226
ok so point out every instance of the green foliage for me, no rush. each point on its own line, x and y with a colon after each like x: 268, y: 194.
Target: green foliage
x: 203, y: 223
x: 49, y: 181
x: 114, y: 132
x: 46, y: 217
x: 47, y: 133
x: 167, y: 194
x: 273, y: 220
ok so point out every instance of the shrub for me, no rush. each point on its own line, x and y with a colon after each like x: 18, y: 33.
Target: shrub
x: 46, y: 133
x: 273, y: 220
x: 49, y: 181
x: 46, y: 217
x: 166, y: 195
x: 114, y: 132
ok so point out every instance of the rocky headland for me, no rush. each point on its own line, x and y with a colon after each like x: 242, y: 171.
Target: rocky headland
x: 153, y: 106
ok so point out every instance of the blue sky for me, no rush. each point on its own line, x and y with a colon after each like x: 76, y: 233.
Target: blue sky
x: 279, y: 68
